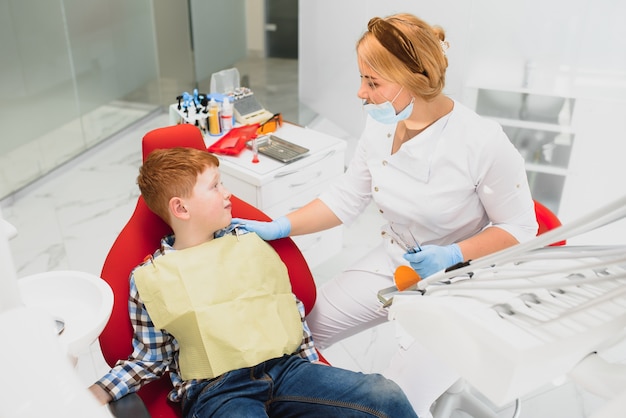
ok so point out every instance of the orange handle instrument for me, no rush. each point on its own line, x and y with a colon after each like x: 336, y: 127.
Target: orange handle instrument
x: 405, y: 277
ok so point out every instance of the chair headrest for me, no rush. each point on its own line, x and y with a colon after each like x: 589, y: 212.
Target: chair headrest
x: 183, y: 135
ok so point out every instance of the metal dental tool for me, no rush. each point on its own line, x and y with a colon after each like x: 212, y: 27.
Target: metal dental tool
x: 410, y: 247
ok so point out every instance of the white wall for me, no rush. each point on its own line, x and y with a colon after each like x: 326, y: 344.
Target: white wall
x: 489, y: 40
x: 219, y: 35
x: 255, y: 27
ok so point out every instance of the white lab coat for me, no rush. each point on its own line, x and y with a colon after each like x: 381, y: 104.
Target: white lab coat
x: 455, y: 178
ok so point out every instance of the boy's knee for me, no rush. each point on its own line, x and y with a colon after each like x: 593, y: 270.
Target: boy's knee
x: 387, y: 392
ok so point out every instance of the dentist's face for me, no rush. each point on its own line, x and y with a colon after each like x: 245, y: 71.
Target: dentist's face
x: 375, y: 89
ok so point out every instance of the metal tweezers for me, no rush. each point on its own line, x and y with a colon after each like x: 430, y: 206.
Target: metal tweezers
x: 409, y: 248
x: 386, y: 295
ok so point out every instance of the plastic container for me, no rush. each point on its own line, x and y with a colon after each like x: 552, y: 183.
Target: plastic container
x: 227, y: 115
x: 214, y: 118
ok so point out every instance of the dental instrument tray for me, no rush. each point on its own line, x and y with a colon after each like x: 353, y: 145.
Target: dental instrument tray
x: 517, y: 319
x: 279, y: 149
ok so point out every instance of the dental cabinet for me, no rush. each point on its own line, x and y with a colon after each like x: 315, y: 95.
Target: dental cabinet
x: 570, y: 136
x: 540, y: 127
x: 278, y: 188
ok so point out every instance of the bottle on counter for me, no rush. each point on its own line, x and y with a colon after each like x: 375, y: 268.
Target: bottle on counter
x: 214, y: 118
x: 227, y: 115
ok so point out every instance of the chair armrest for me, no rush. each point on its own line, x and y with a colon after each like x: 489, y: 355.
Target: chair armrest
x: 130, y: 406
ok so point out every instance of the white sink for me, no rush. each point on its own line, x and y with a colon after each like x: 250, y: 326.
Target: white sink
x: 81, y: 300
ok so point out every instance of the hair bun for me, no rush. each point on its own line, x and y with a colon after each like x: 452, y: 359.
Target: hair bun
x: 373, y: 21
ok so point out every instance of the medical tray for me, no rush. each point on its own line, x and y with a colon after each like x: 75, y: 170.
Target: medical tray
x: 279, y: 149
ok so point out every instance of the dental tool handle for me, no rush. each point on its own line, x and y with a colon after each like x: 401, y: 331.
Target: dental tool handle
x: 404, y: 277
x: 255, y: 150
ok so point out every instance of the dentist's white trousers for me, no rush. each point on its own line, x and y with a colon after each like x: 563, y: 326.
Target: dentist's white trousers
x: 348, y: 304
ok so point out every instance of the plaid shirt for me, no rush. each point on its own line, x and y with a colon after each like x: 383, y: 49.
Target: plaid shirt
x: 155, y: 351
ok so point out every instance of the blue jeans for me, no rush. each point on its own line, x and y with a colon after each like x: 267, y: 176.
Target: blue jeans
x: 291, y: 386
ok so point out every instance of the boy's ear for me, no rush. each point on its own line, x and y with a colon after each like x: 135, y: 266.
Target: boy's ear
x: 178, y: 209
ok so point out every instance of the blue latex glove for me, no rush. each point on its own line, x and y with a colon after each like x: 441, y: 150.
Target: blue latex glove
x: 434, y: 258
x: 278, y: 228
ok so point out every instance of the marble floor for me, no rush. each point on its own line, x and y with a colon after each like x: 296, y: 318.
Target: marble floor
x: 69, y: 219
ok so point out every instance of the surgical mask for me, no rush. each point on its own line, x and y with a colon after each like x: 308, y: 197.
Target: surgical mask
x: 385, y: 112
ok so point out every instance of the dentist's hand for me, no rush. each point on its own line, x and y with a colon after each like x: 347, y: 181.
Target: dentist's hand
x: 278, y: 228
x: 433, y: 258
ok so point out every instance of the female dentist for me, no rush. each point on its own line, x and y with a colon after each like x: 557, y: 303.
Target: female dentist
x: 448, y: 182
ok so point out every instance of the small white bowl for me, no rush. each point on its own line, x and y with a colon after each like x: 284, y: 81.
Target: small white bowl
x: 81, y: 300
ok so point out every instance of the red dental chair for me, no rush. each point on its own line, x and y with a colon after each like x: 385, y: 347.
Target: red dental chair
x: 139, y: 238
x: 547, y: 220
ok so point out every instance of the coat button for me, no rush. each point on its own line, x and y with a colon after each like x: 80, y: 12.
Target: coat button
x: 376, y: 188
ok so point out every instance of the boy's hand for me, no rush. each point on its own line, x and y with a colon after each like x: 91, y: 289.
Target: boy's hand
x: 278, y: 228
x: 100, y: 394
x: 434, y: 258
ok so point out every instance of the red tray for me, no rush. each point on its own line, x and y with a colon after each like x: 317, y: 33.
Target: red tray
x: 233, y: 142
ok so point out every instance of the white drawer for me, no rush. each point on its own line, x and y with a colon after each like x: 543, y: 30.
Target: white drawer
x: 288, y: 183
x: 297, y: 201
x: 290, y: 189
x: 242, y: 189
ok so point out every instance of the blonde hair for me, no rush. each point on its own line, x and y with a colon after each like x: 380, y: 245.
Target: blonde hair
x: 171, y: 172
x: 405, y: 50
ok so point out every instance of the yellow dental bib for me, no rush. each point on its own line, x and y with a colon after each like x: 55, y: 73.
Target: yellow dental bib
x: 228, y: 303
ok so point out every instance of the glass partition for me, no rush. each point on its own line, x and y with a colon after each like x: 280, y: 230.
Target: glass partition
x: 73, y: 73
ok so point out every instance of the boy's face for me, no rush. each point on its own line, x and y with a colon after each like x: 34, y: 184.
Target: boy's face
x: 209, y: 204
